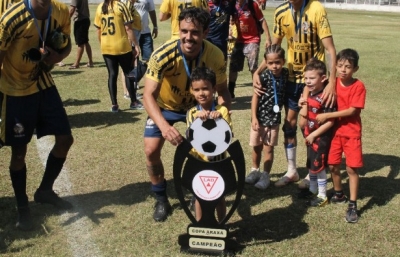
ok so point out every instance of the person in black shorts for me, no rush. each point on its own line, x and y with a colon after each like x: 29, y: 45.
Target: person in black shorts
x: 79, y: 11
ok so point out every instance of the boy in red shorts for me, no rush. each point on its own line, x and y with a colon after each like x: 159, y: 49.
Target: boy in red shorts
x: 347, y: 135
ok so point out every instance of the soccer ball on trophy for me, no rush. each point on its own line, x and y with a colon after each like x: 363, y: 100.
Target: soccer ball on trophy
x: 210, y: 137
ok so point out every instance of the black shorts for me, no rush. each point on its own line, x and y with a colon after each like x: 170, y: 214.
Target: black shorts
x: 317, y: 154
x: 21, y: 115
x: 81, y: 31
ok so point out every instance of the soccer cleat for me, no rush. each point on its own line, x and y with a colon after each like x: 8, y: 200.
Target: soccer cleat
x: 24, y: 220
x: 114, y: 108
x: 318, y: 202
x: 283, y: 181
x: 139, y: 96
x: 137, y: 105
x: 351, y: 214
x: 338, y: 200
x: 263, y: 182
x: 50, y: 197
x: 161, y: 211
x: 253, y: 176
x: 305, y: 183
x: 305, y: 194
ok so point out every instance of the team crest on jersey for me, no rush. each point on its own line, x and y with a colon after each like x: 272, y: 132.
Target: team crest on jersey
x: 19, y: 130
x: 305, y: 27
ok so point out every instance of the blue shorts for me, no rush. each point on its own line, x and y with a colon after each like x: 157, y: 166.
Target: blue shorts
x: 21, y: 115
x: 146, y: 46
x: 152, y: 130
x: 292, y: 95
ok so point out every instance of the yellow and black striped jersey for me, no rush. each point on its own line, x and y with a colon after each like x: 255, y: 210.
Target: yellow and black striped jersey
x: 314, y: 26
x: 5, y: 4
x: 137, y: 21
x: 113, y: 39
x: 174, y: 8
x: 18, y: 34
x: 167, y: 68
x: 191, y: 115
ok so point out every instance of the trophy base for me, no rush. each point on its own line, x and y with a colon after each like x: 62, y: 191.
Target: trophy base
x: 209, y: 246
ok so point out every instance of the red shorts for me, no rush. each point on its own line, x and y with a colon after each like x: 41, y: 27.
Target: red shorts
x: 352, y: 149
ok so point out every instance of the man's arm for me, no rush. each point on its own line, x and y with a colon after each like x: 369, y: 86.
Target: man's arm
x: 2, y: 55
x: 72, y: 10
x: 150, y: 95
x: 266, y: 31
x: 224, y: 97
x: 164, y: 16
x: 153, y: 18
x: 132, y: 38
x: 57, y: 56
x: 329, y: 94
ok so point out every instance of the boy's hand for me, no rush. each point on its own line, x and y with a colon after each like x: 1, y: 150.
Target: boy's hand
x: 257, y: 84
x: 321, y: 118
x: 329, y: 94
x: 302, y: 101
x: 255, y: 125
x: 203, y: 115
x: 215, y: 115
x: 310, y: 139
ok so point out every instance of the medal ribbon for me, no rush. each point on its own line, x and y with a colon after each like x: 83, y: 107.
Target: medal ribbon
x: 184, y: 59
x: 274, y: 85
x: 298, y: 25
x: 43, y: 38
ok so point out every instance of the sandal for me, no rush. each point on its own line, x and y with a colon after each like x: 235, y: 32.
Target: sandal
x: 72, y: 67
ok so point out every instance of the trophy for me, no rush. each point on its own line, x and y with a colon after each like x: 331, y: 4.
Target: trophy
x: 209, y: 182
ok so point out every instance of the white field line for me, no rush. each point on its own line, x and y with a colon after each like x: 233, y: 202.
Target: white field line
x: 77, y: 231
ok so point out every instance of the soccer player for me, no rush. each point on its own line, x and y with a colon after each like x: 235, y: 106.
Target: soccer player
x: 29, y: 98
x: 172, y: 9
x: 305, y: 25
x: 167, y: 94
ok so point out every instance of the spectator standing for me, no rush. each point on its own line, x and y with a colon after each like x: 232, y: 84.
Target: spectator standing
x: 79, y: 11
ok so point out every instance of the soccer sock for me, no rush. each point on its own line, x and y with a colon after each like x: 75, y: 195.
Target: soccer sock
x: 352, y: 204
x: 160, y: 190
x: 322, y: 182
x: 18, y: 180
x: 313, y: 183
x: 290, y: 151
x: 53, y: 168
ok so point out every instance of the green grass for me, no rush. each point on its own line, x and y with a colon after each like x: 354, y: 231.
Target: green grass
x: 111, y: 191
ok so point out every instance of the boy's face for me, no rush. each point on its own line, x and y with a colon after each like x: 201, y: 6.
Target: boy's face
x: 274, y: 63
x: 345, y: 70
x: 203, y: 92
x: 314, y: 81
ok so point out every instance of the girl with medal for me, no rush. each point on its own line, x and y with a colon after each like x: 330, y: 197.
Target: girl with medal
x: 266, y: 116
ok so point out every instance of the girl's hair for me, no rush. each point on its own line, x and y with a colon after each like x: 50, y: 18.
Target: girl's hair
x: 348, y: 54
x: 104, y: 7
x: 315, y: 64
x: 204, y: 73
x: 275, y: 49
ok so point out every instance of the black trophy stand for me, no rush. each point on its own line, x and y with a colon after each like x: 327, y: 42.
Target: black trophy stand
x: 208, y: 236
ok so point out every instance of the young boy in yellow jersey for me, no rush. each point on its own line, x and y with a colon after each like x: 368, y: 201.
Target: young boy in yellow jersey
x: 203, y: 88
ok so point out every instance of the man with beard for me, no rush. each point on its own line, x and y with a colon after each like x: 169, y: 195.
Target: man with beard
x: 167, y: 94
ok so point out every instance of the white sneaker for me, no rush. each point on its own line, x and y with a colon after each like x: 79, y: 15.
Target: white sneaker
x: 253, y: 176
x: 263, y: 182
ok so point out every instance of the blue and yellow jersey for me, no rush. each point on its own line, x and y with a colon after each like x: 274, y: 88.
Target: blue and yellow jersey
x: 313, y: 27
x: 137, y: 20
x: 18, y: 34
x: 191, y: 115
x: 166, y: 67
x: 114, y: 40
x: 174, y: 8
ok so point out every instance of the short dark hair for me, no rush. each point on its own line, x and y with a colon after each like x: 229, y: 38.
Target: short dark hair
x: 204, y: 73
x: 348, y: 54
x: 275, y: 49
x: 195, y: 14
x: 315, y: 64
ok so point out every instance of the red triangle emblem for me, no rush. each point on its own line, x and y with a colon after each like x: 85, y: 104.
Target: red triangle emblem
x: 208, y: 182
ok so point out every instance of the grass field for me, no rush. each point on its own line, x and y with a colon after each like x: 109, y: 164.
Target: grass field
x: 106, y: 179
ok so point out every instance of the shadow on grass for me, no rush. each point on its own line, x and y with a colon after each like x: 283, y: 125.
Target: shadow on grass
x: 79, y: 102
x: 102, y: 119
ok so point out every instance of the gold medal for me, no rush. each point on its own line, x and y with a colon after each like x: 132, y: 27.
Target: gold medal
x: 217, y: 14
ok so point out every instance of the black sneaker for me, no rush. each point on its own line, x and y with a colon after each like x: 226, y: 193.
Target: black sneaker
x: 50, y: 197
x: 305, y: 194
x: 338, y: 200
x: 351, y: 214
x: 161, y: 211
x: 24, y: 220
